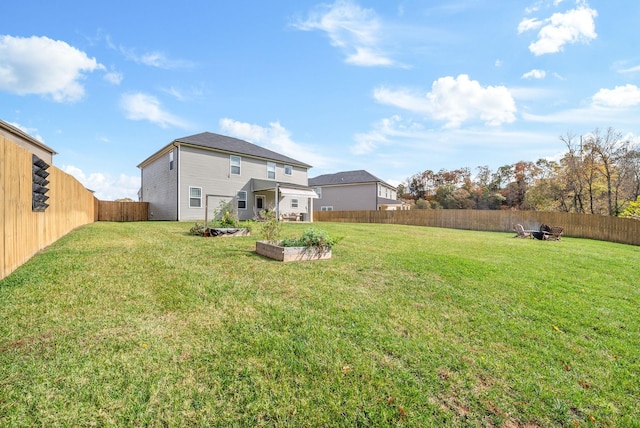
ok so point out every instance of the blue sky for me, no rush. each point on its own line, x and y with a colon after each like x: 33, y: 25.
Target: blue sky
x: 393, y: 87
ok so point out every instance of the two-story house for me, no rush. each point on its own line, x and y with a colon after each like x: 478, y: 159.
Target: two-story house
x: 26, y: 141
x: 353, y: 190
x: 199, y: 172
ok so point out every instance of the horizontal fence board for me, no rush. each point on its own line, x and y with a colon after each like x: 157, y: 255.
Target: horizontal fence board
x: 603, y: 228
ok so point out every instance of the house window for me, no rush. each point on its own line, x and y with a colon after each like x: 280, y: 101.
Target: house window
x: 235, y: 164
x: 242, y: 200
x: 379, y: 190
x: 326, y: 208
x: 259, y: 203
x: 195, y: 197
x: 171, y: 160
x: 318, y: 192
x: 294, y: 203
x: 271, y: 170
x: 288, y: 170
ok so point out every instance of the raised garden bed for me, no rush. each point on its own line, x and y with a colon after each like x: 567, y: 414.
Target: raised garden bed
x: 226, y: 231
x: 291, y: 254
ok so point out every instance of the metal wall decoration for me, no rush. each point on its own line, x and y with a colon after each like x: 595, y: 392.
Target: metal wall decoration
x: 40, y: 174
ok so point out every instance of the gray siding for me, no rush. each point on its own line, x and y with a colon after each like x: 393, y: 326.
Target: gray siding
x: 348, y: 197
x: 160, y: 187
x: 210, y: 170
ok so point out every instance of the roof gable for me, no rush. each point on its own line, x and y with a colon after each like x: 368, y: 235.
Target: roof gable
x: 234, y: 145
x: 19, y: 133
x: 346, y: 177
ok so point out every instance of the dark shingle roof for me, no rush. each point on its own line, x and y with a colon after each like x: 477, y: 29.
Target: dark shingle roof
x: 346, y: 177
x: 235, y: 145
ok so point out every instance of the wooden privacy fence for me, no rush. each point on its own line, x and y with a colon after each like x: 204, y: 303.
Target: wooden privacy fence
x: 25, y: 232
x: 123, y: 211
x: 604, y: 228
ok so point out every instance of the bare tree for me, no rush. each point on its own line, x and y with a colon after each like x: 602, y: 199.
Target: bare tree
x: 574, y: 171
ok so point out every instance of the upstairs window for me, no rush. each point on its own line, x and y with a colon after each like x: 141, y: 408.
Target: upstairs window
x: 288, y: 170
x: 171, y: 160
x: 271, y: 170
x: 235, y: 164
x: 318, y: 192
x: 195, y: 197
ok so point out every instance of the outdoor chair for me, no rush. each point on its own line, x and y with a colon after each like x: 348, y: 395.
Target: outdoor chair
x: 552, y: 232
x: 290, y: 217
x: 521, y: 232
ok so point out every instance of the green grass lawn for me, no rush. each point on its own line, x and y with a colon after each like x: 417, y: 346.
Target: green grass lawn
x: 141, y: 324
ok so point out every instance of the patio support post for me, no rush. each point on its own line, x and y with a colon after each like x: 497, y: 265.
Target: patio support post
x: 277, y: 202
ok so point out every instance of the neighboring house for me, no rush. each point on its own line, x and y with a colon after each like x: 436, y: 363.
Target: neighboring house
x: 200, y: 172
x: 27, y: 142
x: 353, y: 190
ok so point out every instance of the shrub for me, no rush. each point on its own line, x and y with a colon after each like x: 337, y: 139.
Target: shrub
x: 224, y: 216
x: 228, y: 220
x: 270, y: 227
x: 311, y: 237
x: 198, y: 229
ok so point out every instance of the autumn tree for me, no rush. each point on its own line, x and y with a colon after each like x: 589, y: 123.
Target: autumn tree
x: 609, y: 149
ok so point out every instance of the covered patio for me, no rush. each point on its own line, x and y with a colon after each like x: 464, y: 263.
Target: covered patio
x: 291, y: 202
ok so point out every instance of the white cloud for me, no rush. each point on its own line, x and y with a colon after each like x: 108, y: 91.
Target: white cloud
x: 160, y: 60
x: 535, y: 74
x: 351, y: 28
x: 366, y: 57
x: 39, y: 65
x: 529, y: 24
x: 113, y: 77
x: 403, y: 98
x: 155, y: 59
x: 455, y: 100
x: 105, y: 186
x: 276, y: 137
x: 383, y: 130
x: 184, y: 94
x: 633, y: 69
x: 620, y: 96
x: 139, y: 106
x: 574, y: 26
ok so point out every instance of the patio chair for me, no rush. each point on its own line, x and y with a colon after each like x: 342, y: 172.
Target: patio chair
x: 552, y: 232
x: 521, y: 232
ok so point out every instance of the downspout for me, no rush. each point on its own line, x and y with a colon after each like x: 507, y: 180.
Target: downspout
x: 377, y: 191
x: 177, y: 180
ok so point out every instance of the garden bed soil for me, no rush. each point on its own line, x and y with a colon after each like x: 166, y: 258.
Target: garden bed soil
x: 290, y: 254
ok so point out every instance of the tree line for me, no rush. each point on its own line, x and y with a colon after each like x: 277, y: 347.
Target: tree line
x: 598, y: 174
